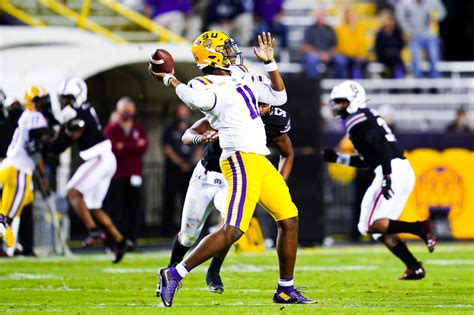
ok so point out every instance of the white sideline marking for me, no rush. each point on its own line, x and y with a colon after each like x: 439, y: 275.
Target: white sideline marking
x: 247, y: 268
x: 30, y: 276
x: 447, y: 262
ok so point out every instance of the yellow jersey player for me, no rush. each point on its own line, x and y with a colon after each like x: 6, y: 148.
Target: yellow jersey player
x: 229, y: 100
x: 24, y: 153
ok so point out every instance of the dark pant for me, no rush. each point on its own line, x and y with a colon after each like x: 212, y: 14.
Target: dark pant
x: 174, y: 192
x: 124, y: 207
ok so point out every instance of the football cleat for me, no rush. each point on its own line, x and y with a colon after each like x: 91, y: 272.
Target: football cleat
x: 213, y: 280
x: 93, y: 237
x: 291, y: 297
x: 168, y: 285
x: 414, y: 273
x: 120, y: 250
x: 428, y: 235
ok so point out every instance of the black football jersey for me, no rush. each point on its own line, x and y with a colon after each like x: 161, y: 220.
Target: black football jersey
x: 277, y: 122
x: 373, y: 139
x: 91, y: 135
x: 211, y: 156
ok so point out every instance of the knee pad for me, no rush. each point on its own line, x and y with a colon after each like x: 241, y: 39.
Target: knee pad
x: 187, y: 239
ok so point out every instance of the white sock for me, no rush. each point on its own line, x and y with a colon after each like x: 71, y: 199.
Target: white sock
x: 182, y: 269
x: 286, y: 282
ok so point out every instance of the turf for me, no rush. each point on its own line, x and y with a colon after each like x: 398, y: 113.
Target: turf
x: 349, y: 280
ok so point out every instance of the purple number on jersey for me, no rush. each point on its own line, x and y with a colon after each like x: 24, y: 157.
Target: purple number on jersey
x: 251, y: 102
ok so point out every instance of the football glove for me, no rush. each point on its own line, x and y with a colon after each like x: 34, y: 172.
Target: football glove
x: 387, y: 191
x: 329, y: 155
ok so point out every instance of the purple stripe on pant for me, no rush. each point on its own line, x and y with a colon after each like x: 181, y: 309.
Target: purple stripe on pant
x: 244, y: 190
x: 234, y: 190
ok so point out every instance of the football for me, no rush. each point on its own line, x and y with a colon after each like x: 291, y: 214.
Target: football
x: 162, y: 61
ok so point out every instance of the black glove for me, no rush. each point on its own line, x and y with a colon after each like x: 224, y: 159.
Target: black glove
x: 329, y: 155
x: 387, y: 191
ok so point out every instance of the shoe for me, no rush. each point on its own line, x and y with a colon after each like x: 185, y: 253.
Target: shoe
x: 428, y: 235
x: 214, y: 282
x: 414, y: 273
x: 168, y: 285
x: 120, y: 250
x: 291, y: 297
x: 93, y: 237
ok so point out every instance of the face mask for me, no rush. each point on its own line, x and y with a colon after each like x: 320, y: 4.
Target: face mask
x: 126, y: 116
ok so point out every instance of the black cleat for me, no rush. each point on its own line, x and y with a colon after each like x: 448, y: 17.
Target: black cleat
x: 414, y: 273
x: 120, y: 250
x: 214, y: 282
x: 428, y: 235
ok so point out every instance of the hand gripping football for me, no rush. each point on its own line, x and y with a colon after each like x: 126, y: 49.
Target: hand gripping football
x: 161, y: 61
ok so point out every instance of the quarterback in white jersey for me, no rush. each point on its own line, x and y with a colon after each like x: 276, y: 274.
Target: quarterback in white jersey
x: 23, y: 154
x: 222, y: 99
x: 229, y: 100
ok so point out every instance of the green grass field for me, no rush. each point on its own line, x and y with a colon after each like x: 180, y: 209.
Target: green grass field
x: 355, y: 279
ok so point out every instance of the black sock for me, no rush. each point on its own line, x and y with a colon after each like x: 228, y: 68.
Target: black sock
x: 216, y: 264
x: 395, y: 227
x: 177, y: 253
x: 401, y: 251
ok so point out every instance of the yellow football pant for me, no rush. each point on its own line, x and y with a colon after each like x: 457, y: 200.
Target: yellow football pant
x: 252, y: 179
x: 17, y: 191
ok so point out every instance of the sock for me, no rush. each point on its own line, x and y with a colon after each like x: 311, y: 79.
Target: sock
x: 395, y: 227
x: 178, y: 252
x: 286, y: 284
x: 216, y: 264
x: 401, y: 251
x: 182, y: 269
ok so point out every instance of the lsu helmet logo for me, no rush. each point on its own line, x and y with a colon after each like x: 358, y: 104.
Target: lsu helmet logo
x: 216, y: 49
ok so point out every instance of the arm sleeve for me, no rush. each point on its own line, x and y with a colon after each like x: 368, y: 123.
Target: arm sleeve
x: 203, y: 99
x: 358, y: 161
x: 266, y: 94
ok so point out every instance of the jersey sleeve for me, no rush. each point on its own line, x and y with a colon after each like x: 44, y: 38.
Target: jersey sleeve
x: 196, y: 95
x: 266, y: 93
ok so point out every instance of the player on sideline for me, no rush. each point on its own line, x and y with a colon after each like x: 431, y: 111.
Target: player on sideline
x: 230, y: 103
x: 394, y: 179
x: 89, y: 184
x: 207, y: 183
x: 23, y: 155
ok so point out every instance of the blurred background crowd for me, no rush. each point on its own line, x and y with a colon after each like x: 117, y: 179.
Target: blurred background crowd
x: 416, y: 75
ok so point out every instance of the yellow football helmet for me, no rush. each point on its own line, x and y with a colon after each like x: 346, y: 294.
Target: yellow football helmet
x: 33, y: 93
x: 216, y: 49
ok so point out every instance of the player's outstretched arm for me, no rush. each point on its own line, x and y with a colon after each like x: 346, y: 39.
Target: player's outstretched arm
x: 287, y: 155
x: 204, y: 99
x: 265, y: 52
x: 199, y: 133
x: 331, y: 156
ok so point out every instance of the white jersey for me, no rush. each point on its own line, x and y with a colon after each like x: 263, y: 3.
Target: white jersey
x: 17, y: 156
x: 230, y: 104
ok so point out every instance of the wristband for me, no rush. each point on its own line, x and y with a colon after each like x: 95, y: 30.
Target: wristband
x: 197, y: 139
x: 167, y: 79
x: 343, y: 159
x: 271, y: 66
